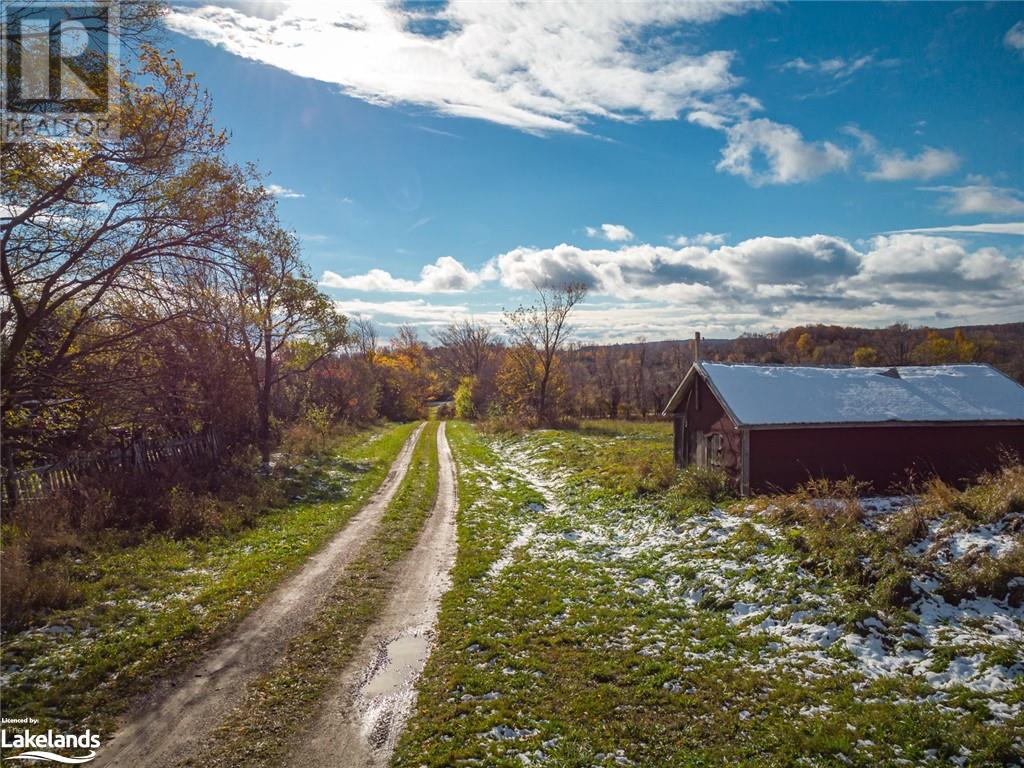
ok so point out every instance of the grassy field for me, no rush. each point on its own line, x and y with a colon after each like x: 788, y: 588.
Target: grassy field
x: 147, y: 610
x: 605, y: 613
x: 259, y: 732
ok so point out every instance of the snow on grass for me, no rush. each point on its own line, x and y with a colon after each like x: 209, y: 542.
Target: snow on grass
x: 761, y: 590
x: 521, y: 539
x: 683, y: 632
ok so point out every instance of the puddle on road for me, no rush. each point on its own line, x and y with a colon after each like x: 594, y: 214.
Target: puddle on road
x: 386, y: 697
x: 399, y: 663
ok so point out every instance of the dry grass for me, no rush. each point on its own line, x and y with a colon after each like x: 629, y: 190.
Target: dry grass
x: 984, y: 576
x: 30, y: 588
x: 826, y: 523
x: 712, y: 485
x: 504, y: 424
x: 992, y: 497
x: 181, y: 500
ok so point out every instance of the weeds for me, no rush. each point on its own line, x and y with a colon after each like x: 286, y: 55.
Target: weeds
x: 994, y: 496
x: 180, y: 500
x: 705, y: 483
x: 985, y: 576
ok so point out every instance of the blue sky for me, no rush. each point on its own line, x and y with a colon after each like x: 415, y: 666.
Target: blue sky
x: 724, y: 167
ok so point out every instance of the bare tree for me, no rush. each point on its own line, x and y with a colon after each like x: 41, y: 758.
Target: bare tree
x: 464, y: 347
x: 609, y: 379
x: 896, y: 342
x: 365, y: 336
x: 639, y: 359
x: 539, y: 331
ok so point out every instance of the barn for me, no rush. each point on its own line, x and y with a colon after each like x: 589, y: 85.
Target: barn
x: 773, y: 427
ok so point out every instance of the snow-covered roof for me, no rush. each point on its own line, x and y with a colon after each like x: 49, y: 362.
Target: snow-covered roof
x: 775, y: 394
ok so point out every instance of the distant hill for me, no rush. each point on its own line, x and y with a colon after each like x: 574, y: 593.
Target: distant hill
x: 1002, y: 345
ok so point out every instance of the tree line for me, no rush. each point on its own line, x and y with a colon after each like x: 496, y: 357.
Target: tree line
x: 488, y: 374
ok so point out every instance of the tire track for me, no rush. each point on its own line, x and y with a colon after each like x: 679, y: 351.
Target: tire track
x: 182, y: 711
x: 361, y: 719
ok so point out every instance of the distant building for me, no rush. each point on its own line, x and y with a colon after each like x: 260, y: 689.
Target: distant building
x: 773, y: 427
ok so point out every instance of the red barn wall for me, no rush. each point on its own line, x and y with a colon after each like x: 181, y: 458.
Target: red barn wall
x: 882, y: 456
x: 711, y: 418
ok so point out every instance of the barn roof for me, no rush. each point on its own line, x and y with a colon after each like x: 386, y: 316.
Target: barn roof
x: 761, y: 395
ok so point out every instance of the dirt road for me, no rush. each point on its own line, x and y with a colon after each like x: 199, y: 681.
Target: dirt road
x: 180, y: 712
x: 361, y: 719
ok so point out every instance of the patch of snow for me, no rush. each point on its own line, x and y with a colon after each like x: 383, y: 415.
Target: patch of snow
x: 984, y: 540
x: 504, y: 732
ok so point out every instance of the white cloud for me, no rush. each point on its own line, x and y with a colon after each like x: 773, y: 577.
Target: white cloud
x: 278, y: 191
x: 705, y: 238
x: 912, y: 254
x: 537, y: 67
x: 838, y: 67
x: 981, y: 197
x: 393, y: 313
x: 894, y: 165
x: 707, y: 119
x: 985, y: 264
x: 929, y: 163
x: 616, y: 233
x: 446, y: 275
x: 758, y: 284
x: 787, y: 157
x: 1000, y: 228
x: 1015, y: 37
x: 760, y: 266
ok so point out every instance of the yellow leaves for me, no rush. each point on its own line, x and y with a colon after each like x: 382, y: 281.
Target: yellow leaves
x: 865, y: 356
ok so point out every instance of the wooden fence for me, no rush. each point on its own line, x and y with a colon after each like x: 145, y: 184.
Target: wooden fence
x: 141, y: 455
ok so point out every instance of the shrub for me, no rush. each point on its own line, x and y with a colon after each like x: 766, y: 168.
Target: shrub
x: 312, y: 434
x: 705, y: 483
x: 51, y: 527
x: 464, y: 406
x: 188, y: 513
x: 908, y: 525
x: 504, y: 424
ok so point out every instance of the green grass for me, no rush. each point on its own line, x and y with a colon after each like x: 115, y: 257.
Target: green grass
x: 148, y: 610
x: 279, y: 706
x: 617, y: 634
x: 624, y: 456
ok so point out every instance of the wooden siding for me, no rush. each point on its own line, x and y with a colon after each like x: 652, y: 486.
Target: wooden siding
x: 700, y: 416
x: 884, y: 457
